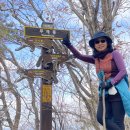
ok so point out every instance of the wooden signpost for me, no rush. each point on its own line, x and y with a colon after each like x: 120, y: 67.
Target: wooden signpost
x: 42, y: 37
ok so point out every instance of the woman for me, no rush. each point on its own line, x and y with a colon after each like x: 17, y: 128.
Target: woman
x: 110, y: 62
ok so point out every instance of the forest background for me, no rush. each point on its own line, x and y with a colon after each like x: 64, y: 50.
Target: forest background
x: 75, y: 96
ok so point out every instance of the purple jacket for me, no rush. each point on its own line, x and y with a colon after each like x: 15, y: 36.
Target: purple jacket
x: 118, y: 69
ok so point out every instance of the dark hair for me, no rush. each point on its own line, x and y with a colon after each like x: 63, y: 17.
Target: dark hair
x: 98, y: 54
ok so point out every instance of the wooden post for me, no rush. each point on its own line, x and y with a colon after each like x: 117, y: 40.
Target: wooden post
x: 46, y: 100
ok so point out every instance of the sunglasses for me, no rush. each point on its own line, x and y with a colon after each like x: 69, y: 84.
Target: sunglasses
x: 98, y: 41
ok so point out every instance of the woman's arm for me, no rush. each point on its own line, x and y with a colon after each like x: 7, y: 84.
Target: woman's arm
x: 89, y: 59
x: 121, y: 67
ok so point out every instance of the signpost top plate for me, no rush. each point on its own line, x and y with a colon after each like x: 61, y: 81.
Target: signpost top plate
x: 45, y: 32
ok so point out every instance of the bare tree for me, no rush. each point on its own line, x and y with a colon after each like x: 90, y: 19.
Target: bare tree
x: 95, y: 15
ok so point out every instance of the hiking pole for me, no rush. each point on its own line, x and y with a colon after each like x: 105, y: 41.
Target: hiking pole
x: 104, y: 107
x: 101, y: 77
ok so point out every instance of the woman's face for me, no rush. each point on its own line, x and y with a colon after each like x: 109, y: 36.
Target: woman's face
x: 100, y: 44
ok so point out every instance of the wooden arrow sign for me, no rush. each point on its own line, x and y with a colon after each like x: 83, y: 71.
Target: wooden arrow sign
x: 33, y: 73
x: 41, y: 42
x: 44, y: 42
x: 49, y: 58
x: 45, y: 32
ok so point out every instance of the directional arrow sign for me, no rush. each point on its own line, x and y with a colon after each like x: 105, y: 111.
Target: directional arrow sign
x: 59, y: 57
x: 48, y: 58
x: 45, y: 32
x: 39, y: 73
x: 43, y: 42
